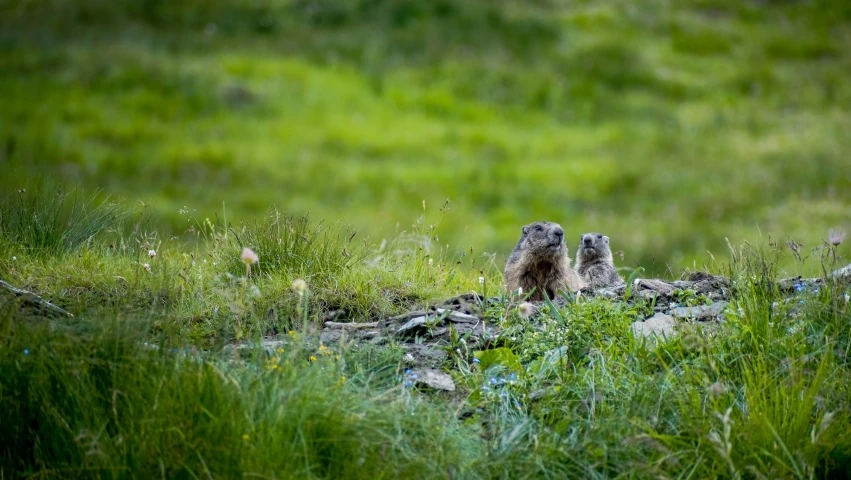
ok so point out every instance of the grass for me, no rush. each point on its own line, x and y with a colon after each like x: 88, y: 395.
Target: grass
x: 670, y: 128
x: 144, y: 381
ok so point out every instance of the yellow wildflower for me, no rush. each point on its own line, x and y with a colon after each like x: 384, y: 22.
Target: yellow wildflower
x: 245, y: 436
x: 312, y: 358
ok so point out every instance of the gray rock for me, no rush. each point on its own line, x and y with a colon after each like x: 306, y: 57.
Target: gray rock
x: 659, y: 325
x: 413, y: 323
x: 701, y: 313
x: 436, y: 379
x: 458, y: 317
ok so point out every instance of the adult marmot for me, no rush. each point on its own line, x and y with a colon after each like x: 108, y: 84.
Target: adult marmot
x: 594, y: 261
x: 540, y: 262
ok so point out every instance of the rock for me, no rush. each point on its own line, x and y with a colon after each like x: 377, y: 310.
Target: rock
x: 659, y: 325
x: 413, y: 323
x: 424, y: 355
x: 458, y: 317
x: 436, y: 379
x: 701, y: 313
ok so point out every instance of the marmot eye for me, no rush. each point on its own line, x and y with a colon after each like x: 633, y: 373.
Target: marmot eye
x: 599, y: 236
x: 539, y: 228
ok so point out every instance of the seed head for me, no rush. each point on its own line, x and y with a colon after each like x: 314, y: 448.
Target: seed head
x: 299, y: 286
x: 249, y: 257
x: 836, y: 236
x: 525, y: 310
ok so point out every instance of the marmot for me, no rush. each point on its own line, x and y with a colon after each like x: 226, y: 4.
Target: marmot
x: 540, y: 262
x: 594, y: 261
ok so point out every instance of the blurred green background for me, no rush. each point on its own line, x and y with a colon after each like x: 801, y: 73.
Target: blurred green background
x: 666, y: 125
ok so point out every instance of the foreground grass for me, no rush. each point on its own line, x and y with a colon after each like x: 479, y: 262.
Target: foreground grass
x: 142, y: 383
x: 668, y: 127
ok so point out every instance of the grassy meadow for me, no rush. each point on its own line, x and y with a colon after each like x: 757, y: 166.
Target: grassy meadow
x: 145, y: 144
x: 667, y: 126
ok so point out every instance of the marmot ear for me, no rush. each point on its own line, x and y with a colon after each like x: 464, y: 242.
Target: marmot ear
x: 525, y: 230
x: 606, y: 239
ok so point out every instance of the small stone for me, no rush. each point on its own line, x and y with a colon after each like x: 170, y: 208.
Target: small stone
x: 436, y: 379
x: 659, y: 325
x: 413, y: 323
x: 700, y: 312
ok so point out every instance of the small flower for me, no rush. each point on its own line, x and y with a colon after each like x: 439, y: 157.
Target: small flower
x: 815, y: 290
x: 414, y: 376
x: 493, y: 381
x: 407, y: 371
x: 409, y: 383
x: 299, y: 286
x: 836, y: 236
x: 26, y: 351
x: 249, y: 257
x: 476, y: 360
x: 146, y: 267
x: 431, y: 261
x: 245, y: 436
x: 14, y: 258
x: 280, y: 350
x: 152, y: 253
x: 336, y: 357
x: 519, y: 290
x: 845, y: 297
x: 312, y: 358
x: 481, y: 280
x: 800, y: 287
x: 485, y: 388
x: 511, y: 376
x: 525, y: 310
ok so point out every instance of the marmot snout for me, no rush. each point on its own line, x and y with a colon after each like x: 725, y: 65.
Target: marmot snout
x: 539, y: 262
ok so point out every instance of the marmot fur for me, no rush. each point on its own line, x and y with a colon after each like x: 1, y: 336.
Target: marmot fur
x: 540, y: 262
x: 594, y: 261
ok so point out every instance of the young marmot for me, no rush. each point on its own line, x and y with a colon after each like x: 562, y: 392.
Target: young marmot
x: 540, y: 262
x: 594, y: 261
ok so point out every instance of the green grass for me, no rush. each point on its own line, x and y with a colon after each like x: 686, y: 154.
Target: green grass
x: 144, y: 382
x: 214, y: 126
x: 667, y: 127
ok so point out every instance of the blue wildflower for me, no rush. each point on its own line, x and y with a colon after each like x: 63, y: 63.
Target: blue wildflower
x: 503, y: 395
x: 475, y: 360
x: 414, y: 375
x: 801, y: 302
x: 511, y: 376
x: 485, y: 388
x: 799, y: 287
x: 493, y: 381
x: 815, y: 291
x: 409, y: 383
x: 407, y: 371
x: 26, y: 351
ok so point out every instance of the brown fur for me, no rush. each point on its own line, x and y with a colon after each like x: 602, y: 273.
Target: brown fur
x: 594, y: 261
x: 540, y: 262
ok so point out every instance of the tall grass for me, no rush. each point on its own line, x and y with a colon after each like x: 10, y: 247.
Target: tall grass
x: 45, y: 218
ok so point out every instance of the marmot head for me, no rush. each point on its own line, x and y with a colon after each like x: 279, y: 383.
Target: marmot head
x: 543, y: 239
x: 592, y: 246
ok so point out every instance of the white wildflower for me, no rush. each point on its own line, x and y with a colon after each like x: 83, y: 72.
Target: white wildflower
x: 152, y: 253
